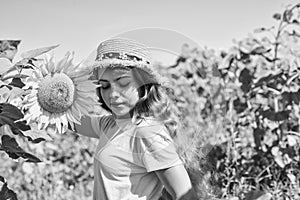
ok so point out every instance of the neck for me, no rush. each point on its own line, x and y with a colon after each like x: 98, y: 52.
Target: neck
x: 127, y: 116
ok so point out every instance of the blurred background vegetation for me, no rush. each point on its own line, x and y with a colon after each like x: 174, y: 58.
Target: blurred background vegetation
x: 240, y: 115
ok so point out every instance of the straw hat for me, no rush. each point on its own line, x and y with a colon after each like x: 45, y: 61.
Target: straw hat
x: 125, y: 52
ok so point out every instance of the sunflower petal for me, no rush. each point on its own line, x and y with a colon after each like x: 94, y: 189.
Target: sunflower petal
x: 76, y: 112
x: 64, y: 122
x: 72, y: 118
x: 83, y: 109
x: 72, y: 126
x: 81, y: 78
x: 58, y: 123
x: 62, y: 63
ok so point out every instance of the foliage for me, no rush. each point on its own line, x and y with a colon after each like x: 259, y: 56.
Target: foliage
x: 246, y: 103
x: 66, y: 170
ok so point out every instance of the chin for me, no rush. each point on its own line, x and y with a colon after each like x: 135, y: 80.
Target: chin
x: 118, y: 113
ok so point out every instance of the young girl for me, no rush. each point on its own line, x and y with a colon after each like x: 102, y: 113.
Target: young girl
x: 135, y: 157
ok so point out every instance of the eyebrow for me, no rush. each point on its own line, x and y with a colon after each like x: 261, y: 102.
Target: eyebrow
x: 125, y: 76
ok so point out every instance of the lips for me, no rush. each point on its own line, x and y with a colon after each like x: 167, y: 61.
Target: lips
x: 116, y: 104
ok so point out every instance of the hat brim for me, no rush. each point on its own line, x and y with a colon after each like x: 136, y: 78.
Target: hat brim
x: 114, y: 62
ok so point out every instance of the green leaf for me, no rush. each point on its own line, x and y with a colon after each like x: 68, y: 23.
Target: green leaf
x: 259, y: 50
x: 15, y: 128
x: 259, y: 30
x: 227, y: 61
x: 277, y: 16
x: 291, y: 97
x: 36, y: 135
x: 246, y: 80
x: 277, y: 156
x: 25, y: 63
x: 295, y: 21
x: 215, y: 70
x: 16, y: 92
x: 270, y: 77
x: 9, y: 48
x: 275, y: 116
x: 37, y: 52
x: 239, y: 106
x: 11, y: 147
x: 22, y: 125
x: 258, y: 134
x: 200, y: 72
x: 292, y: 178
x: 17, y: 82
x: 292, y: 140
x: 9, y: 112
x: 7, y: 194
x: 15, y: 76
x: 287, y: 15
x: 258, y: 195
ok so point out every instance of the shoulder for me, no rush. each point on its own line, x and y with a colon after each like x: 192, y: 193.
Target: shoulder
x: 102, y: 123
x: 158, y: 150
x: 153, y: 135
x: 106, y: 121
x: 148, y: 127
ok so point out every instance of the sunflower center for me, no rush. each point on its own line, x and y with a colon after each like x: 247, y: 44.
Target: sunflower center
x: 56, y: 93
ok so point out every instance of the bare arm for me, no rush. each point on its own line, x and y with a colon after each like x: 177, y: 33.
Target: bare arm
x: 177, y: 182
x: 86, y: 128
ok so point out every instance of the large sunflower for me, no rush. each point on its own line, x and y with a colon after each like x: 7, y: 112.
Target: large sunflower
x: 60, y: 94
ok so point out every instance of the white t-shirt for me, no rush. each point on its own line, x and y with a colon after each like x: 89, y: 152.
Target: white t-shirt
x: 127, y: 156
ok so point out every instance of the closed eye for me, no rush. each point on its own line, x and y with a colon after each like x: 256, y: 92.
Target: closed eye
x: 124, y: 83
x: 121, y: 81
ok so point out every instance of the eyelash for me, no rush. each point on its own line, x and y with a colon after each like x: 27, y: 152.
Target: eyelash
x: 108, y: 85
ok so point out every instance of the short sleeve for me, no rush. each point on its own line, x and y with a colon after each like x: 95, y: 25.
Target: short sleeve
x: 95, y: 122
x: 159, y: 150
x: 100, y: 124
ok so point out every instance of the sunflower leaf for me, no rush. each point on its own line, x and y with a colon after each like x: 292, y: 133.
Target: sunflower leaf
x: 2, y: 179
x: 17, y: 82
x: 36, y: 135
x: 10, y: 112
x: 12, y: 148
x: 7, y: 194
x: 15, y: 92
x: 37, y: 52
x: 9, y: 48
x: 12, y: 128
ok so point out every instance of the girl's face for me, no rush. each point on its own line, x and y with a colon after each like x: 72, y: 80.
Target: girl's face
x: 118, y: 90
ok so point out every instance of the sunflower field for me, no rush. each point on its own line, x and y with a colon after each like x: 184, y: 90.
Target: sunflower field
x: 240, y: 111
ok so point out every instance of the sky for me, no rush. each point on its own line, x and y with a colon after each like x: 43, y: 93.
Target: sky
x: 80, y: 25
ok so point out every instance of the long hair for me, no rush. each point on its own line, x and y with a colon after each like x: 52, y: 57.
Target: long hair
x: 154, y: 101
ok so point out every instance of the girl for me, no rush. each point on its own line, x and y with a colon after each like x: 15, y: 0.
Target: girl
x: 135, y: 157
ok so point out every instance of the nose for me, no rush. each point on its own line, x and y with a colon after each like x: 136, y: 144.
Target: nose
x: 115, y: 92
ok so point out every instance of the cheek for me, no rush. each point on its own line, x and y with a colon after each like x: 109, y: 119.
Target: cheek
x: 132, y: 95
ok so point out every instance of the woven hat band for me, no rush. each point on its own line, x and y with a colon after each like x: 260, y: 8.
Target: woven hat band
x: 123, y: 49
